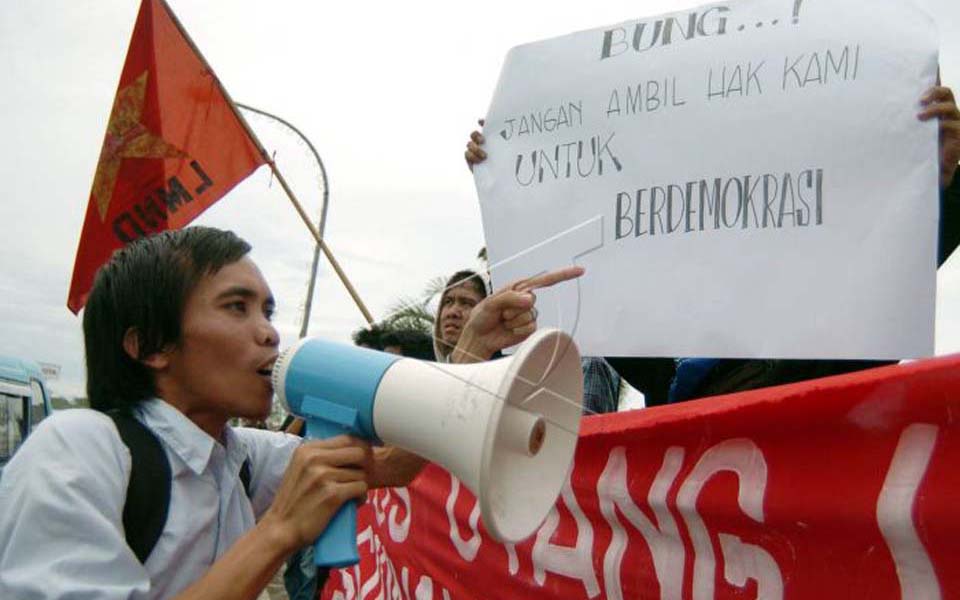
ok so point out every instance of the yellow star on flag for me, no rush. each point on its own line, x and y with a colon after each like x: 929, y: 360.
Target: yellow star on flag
x: 126, y: 138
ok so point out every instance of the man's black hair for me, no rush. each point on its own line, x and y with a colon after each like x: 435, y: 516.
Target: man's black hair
x: 412, y: 343
x: 468, y: 278
x: 369, y: 337
x: 144, y: 287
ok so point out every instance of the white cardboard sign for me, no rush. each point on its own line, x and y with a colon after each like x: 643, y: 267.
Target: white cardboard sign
x: 746, y: 179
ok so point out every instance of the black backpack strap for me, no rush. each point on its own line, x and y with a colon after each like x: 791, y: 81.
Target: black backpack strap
x: 148, y: 492
x: 245, y: 477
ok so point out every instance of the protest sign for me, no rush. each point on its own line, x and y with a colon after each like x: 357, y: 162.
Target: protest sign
x: 744, y: 179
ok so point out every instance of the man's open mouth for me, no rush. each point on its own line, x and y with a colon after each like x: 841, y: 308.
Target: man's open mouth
x: 266, y: 369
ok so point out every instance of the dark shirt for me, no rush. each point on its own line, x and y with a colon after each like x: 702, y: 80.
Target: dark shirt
x: 601, y: 386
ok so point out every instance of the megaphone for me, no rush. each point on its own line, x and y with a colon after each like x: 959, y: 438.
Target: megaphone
x: 506, y: 428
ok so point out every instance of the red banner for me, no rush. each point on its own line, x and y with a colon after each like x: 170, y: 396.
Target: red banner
x: 174, y: 146
x: 845, y: 487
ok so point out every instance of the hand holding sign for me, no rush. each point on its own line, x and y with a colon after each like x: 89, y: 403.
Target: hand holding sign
x: 506, y: 317
x: 474, y: 154
x: 939, y: 102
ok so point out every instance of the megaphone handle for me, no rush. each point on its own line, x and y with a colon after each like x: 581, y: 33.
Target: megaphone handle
x: 337, y: 545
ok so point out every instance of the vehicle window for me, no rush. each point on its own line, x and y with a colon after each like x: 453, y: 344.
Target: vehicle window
x: 38, y: 409
x: 13, y: 426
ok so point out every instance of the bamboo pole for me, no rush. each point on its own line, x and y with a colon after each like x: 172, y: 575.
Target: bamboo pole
x: 322, y: 244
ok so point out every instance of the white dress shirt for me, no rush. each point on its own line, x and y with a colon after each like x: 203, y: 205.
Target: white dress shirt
x: 62, y: 498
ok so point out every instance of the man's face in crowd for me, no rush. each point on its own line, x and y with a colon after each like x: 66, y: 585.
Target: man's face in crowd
x: 223, y: 364
x: 455, y: 310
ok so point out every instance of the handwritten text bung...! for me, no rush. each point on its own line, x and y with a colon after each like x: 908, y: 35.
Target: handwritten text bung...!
x: 712, y: 22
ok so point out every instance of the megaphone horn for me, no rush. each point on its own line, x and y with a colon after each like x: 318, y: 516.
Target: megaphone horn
x: 506, y: 428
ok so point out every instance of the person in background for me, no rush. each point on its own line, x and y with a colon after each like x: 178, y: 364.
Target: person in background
x: 464, y: 290
x: 601, y: 386
x: 369, y: 337
x: 505, y: 319
x: 411, y: 343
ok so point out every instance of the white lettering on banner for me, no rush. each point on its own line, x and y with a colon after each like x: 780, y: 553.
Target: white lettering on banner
x: 424, y: 589
x: 746, y: 561
x: 338, y: 595
x: 371, y: 583
x: 741, y: 561
x: 663, y: 539
x: 895, y: 512
x: 399, y: 530
x: 466, y: 548
x: 743, y: 458
x: 513, y: 563
x: 379, y: 502
x: 348, y: 592
x: 348, y: 577
x: 376, y: 579
x: 384, y: 576
x: 575, y: 562
x: 383, y: 572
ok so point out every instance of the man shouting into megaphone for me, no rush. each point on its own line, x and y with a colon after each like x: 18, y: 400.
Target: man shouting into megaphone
x: 178, y: 341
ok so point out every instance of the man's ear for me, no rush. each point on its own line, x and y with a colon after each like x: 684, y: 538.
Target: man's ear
x: 131, y: 345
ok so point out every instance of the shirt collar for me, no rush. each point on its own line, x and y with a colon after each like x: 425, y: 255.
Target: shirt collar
x: 190, y: 443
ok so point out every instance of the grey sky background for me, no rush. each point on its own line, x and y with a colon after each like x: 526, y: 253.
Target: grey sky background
x: 387, y: 92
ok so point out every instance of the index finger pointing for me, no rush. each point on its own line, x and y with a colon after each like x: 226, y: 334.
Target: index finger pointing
x: 548, y: 279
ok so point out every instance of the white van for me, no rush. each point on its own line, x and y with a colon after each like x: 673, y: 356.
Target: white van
x: 24, y: 402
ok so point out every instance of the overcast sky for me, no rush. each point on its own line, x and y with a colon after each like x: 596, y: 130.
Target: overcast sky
x: 387, y: 92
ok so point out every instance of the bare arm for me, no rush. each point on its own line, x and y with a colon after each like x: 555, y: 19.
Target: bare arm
x: 939, y: 103
x: 474, y: 154
x: 395, y: 467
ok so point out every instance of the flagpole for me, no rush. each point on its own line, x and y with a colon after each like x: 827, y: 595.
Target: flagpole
x: 273, y: 167
x: 322, y: 244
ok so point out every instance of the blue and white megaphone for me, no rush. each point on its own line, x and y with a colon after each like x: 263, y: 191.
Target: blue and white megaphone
x: 506, y: 428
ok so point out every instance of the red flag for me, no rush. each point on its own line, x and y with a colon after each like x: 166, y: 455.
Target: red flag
x: 174, y: 146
